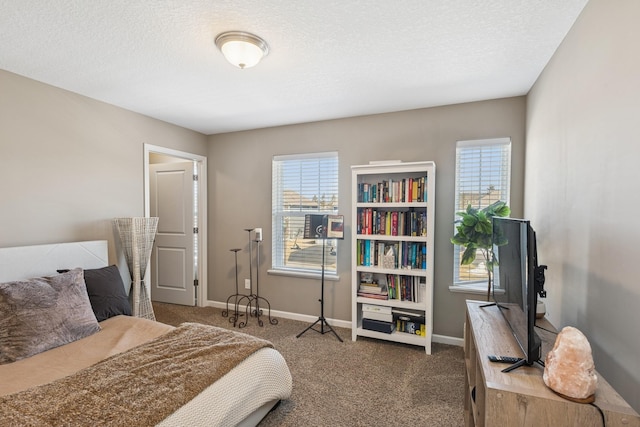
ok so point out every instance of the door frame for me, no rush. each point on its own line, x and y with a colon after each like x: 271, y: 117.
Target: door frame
x: 201, y: 291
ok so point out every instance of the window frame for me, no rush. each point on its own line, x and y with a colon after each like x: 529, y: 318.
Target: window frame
x: 480, y: 147
x: 282, y: 234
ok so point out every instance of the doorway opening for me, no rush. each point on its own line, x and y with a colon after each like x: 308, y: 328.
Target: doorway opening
x: 195, y: 273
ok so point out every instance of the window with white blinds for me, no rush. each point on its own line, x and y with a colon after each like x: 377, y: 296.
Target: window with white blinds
x: 483, y: 176
x: 302, y: 184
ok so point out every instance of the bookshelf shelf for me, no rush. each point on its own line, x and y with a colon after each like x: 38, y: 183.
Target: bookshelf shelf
x: 396, y: 271
x: 390, y: 238
x: 392, y: 252
x: 390, y: 205
x: 401, y: 337
x: 391, y: 303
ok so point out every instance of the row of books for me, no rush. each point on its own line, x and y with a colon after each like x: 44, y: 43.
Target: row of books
x: 392, y: 223
x: 404, y: 190
x: 388, y: 319
x: 405, y: 288
x: 391, y: 255
x: 397, y: 287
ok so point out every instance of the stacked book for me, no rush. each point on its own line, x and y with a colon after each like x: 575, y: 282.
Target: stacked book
x: 373, y: 290
x: 377, y: 318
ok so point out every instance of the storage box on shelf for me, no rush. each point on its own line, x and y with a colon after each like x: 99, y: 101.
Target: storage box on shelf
x: 392, y: 255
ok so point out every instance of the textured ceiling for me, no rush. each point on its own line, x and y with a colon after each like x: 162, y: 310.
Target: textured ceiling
x: 328, y: 59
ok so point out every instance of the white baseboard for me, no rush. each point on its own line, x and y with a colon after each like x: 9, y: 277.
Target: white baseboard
x: 292, y: 316
x: 442, y: 339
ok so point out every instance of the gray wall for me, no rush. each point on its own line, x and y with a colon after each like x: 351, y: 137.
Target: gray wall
x: 240, y: 194
x: 581, y: 185
x: 69, y: 164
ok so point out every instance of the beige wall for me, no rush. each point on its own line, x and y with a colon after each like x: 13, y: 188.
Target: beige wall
x: 240, y: 193
x: 69, y: 164
x: 581, y: 185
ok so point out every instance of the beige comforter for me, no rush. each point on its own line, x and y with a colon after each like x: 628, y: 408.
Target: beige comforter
x: 117, y: 334
x: 138, y: 387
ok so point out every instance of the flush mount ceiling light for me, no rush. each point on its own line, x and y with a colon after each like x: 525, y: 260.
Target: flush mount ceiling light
x: 244, y: 50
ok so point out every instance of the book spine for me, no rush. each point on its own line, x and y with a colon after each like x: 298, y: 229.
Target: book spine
x: 424, y: 197
x: 367, y: 249
x: 411, y: 198
x: 375, y: 221
x: 394, y: 223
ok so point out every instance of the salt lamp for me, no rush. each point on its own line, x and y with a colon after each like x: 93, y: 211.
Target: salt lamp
x: 569, y: 369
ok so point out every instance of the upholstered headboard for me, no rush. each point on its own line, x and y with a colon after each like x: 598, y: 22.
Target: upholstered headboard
x: 23, y: 262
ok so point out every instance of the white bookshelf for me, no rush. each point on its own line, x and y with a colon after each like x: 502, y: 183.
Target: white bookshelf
x: 412, y: 249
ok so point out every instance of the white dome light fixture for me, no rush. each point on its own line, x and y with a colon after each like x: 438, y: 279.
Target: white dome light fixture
x: 244, y: 50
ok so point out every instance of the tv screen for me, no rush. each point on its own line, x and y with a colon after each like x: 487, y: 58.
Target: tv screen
x: 517, y: 283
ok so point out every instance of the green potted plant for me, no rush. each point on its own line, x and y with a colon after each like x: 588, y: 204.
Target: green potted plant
x: 475, y: 233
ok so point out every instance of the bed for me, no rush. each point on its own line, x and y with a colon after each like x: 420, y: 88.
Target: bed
x: 117, y: 369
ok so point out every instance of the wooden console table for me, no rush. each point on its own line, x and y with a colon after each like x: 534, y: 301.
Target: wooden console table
x: 520, y: 397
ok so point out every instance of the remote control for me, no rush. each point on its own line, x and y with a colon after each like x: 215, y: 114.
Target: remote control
x: 503, y: 359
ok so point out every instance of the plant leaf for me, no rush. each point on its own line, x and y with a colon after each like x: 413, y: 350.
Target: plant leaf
x: 469, y: 220
x: 459, y: 239
x: 484, y: 227
x: 468, y: 256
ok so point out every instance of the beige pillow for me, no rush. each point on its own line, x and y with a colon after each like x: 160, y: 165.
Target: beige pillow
x: 42, y: 313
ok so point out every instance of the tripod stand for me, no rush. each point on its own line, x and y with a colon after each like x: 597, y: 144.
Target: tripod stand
x: 321, y: 319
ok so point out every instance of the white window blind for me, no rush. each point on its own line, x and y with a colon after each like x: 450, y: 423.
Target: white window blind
x: 302, y: 184
x: 483, y: 176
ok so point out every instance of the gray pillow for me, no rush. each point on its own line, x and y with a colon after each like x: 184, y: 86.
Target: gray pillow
x: 42, y: 313
x: 106, y: 292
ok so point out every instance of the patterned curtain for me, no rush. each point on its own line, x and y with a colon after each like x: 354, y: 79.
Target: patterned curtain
x: 137, y: 235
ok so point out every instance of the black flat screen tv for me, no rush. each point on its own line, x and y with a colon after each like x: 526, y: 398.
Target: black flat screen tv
x: 518, y: 280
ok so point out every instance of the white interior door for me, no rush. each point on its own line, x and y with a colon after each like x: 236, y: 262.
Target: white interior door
x: 171, y: 193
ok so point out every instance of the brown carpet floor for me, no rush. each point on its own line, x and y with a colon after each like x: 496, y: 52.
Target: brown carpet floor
x: 363, y: 383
